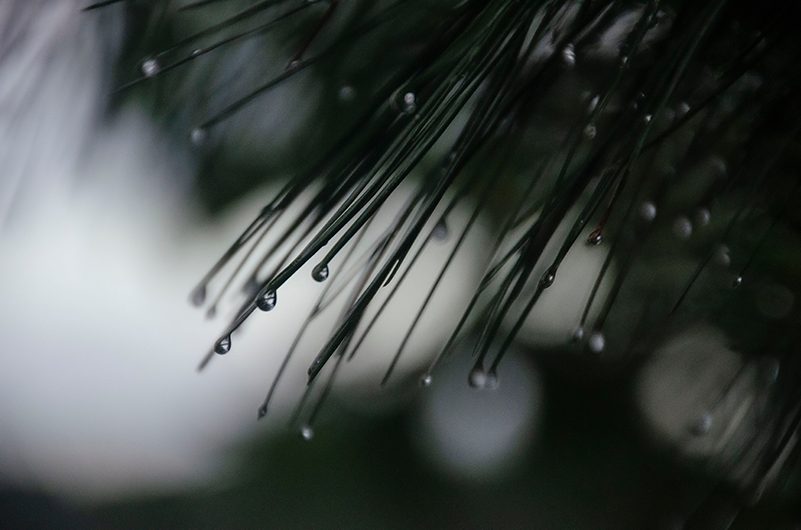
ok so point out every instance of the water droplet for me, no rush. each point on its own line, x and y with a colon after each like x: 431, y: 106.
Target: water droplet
x: 596, y: 342
x: 223, y: 345
x: 647, y: 118
x: 737, y: 282
x: 547, y: 279
x: 440, y: 232
x: 578, y: 334
x: 262, y: 411
x: 306, y: 432
x: 196, y: 52
x: 624, y: 59
x: 426, y: 380
x: 198, y: 295
x: 267, y: 300
x: 492, y: 380
x: 320, y: 272
x: 198, y: 135
x: 683, y: 108
x: 150, y: 67
x: 718, y: 166
x: 702, y: 216
x: 477, y: 378
x: 293, y: 64
x: 593, y: 104
x: 595, y: 238
x: 722, y: 257
x: 347, y: 93
x: 569, y: 55
x: 590, y: 131
x: 703, y: 425
x: 647, y: 211
x: 316, y: 365
x: 682, y: 227
x: 409, y: 103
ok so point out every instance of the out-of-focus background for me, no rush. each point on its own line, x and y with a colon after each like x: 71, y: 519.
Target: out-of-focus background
x: 111, y: 210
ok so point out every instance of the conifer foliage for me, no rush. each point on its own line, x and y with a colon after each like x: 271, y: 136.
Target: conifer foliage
x: 661, y: 132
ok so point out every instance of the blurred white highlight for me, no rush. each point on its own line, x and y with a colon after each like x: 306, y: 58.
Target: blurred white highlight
x: 101, y: 247
x: 479, y: 434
